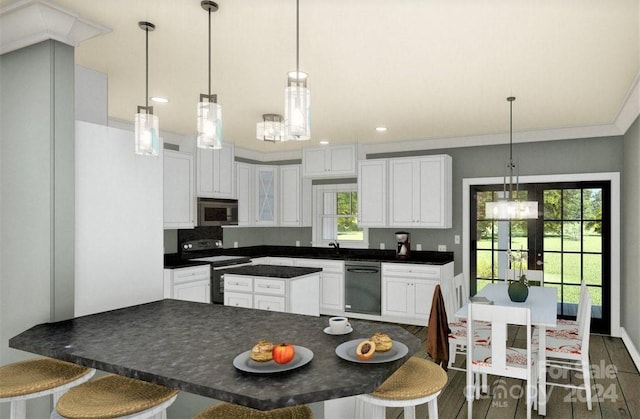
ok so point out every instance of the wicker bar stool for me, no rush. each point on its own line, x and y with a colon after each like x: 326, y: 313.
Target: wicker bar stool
x: 416, y: 382
x: 38, y: 377
x: 115, y: 396
x: 233, y: 411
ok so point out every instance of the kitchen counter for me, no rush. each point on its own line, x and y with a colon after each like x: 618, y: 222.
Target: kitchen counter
x: 420, y: 257
x: 173, y: 261
x: 272, y: 271
x: 191, y: 347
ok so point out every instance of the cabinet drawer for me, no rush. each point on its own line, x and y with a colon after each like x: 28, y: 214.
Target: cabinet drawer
x: 238, y: 283
x: 237, y: 299
x: 269, y: 302
x: 269, y: 286
x: 410, y: 271
x: 191, y: 274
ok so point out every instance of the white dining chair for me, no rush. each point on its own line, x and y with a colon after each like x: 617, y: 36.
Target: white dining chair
x: 458, y: 327
x: 566, y: 327
x: 571, y: 353
x: 499, y: 359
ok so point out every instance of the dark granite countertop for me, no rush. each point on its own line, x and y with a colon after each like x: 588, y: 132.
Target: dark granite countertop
x: 272, y: 271
x: 420, y: 257
x: 173, y: 261
x: 191, y: 346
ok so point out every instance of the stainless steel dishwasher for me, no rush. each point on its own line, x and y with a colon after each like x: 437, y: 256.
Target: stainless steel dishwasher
x: 362, y: 287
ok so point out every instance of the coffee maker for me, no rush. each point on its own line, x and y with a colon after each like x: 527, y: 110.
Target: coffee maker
x: 403, y: 249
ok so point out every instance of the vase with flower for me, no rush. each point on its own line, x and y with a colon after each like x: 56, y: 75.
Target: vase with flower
x: 518, y: 289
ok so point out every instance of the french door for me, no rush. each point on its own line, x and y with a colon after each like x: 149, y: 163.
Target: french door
x: 569, y: 241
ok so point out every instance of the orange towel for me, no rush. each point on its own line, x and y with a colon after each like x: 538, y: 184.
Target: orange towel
x: 438, y: 331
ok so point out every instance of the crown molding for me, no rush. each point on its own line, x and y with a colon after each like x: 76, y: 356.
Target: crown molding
x: 27, y: 22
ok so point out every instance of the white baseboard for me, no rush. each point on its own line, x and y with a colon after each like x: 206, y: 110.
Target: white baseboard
x: 633, y: 351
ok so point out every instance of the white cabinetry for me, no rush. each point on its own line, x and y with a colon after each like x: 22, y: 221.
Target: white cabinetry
x: 331, y: 283
x: 420, y: 192
x: 244, y: 178
x: 296, y: 295
x: 178, y: 190
x: 372, y: 193
x: 190, y: 284
x: 295, y: 197
x: 331, y: 161
x: 407, y: 290
x: 265, y: 192
x: 216, y: 172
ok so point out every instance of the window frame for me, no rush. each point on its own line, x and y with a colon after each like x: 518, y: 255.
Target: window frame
x: 318, y: 212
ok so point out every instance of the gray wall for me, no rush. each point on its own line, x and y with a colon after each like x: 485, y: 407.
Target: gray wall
x: 37, y: 189
x: 630, y: 287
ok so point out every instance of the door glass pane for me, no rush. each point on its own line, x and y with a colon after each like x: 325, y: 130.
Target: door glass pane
x: 552, y: 204
x: 552, y: 234
x: 484, y: 234
x: 571, y: 236
x: 592, y: 269
x: 592, y: 236
x: 592, y: 204
x: 571, y: 207
x: 552, y: 264
x: 571, y: 272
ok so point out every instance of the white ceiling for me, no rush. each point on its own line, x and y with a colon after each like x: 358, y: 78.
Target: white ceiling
x: 425, y: 69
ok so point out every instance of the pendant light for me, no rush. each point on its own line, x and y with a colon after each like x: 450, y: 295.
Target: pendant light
x: 509, y: 207
x: 297, y: 112
x: 146, y: 131
x: 271, y: 128
x: 209, y: 119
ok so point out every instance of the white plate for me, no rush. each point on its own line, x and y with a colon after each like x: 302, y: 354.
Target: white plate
x: 328, y: 331
x: 347, y: 351
x: 244, y: 362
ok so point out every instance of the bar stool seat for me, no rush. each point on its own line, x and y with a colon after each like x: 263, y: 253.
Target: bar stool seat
x: 115, y: 396
x: 233, y: 411
x: 38, y: 377
x: 416, y: 382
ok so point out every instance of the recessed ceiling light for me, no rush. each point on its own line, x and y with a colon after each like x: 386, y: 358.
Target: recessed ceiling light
x: 159, y: 99
x: 324, y: 142
x: 381, y: 129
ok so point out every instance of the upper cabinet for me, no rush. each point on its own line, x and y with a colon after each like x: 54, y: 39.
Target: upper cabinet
x: 216, y: 172
x: 178, y: 191
x: 333, y: 161
x: 420, y: 192
x: 372, y: 193
x: 244, y: 179
x: 266, y: 190
x: 295, y: 197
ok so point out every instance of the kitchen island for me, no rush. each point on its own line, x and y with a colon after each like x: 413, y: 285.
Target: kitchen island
x: 191, y: 347
x: 276, y: 288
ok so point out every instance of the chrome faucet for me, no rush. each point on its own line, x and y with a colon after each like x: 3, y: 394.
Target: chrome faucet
x: 334, y: 244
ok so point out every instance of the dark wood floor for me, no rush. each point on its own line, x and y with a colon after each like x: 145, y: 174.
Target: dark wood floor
x: 615, y: 388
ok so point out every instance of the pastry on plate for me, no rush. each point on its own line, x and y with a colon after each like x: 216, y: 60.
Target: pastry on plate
x: 365, y: 349
x: 262, y: 351
x: 383, y: 341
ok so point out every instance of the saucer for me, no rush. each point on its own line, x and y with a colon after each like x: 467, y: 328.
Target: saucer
x: 328, y: 331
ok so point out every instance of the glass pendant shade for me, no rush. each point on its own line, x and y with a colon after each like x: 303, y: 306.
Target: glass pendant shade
x: 147, y: 141
x: 511, y: 210
x: 297, y: 111
x: 271, y: 128
x: 209, y: 125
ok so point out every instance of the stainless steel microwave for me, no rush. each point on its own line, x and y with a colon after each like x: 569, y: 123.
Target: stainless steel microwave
x: 217, y: 212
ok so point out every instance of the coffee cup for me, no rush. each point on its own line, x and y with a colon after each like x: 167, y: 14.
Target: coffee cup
x: 339, y: 324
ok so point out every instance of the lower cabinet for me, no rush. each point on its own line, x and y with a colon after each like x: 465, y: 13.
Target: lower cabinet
x: 190, y: 284
x: 407, y: 290
x: 296, y: 295
x: 331, y: 283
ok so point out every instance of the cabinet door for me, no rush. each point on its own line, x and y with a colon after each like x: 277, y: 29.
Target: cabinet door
x: 423, y: 295
x: 396, y: 301
x: 215, y: 172
x: 290, y: 196
x: 178, y: 190
x: 434, y: 194
x: 269, y: 302
x: 265, y: 195
x: 331, y: 291
x: 341, y: 160
x: 244, y: 182
x: 402, y: 182
x: 238, y: 299
x: 223, y: 172
x: 313, y: 162
x: 372, y: 193
x: 198, y: 291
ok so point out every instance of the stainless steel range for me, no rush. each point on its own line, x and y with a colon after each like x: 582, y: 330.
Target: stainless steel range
x: 208, y: 250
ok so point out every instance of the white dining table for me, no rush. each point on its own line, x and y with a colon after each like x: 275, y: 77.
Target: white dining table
x: 543, y: 304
